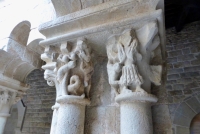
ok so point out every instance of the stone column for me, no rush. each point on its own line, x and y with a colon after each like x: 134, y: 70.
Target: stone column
x: 130, y: 76
x: 71, y: 115
x: 135, y: 109
x: 5, y: 105
x: 3, y: 119
x: 54, y: 118
x: 70, y: 70
x: 8, y: 97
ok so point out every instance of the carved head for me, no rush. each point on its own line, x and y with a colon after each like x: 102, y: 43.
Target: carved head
x: 112, y: 49
x: 127, y: 37
x: 80, y: 45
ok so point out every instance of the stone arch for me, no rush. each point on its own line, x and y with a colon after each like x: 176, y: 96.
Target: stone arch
x: 18, y: 58
x: 184, y: 114
x: 20, y: 32
x: 21, y: 51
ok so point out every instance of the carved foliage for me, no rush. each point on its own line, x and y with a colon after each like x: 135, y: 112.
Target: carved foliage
x: 124, y: 54
x: 7, y: 98
x: 69, y: 68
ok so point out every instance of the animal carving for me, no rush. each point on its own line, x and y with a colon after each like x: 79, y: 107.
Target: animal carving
x: 75, y: 87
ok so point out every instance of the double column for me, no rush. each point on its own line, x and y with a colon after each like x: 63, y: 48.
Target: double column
x: 131, y: 38
x: 11, y: 91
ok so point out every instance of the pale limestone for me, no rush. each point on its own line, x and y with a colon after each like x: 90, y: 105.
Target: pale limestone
x: 135, y: 29
x: 69, y: 69
x: 16, y: 62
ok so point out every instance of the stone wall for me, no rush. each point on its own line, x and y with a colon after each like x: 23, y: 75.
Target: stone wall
x: 39, y: 99
x: 183, y: 76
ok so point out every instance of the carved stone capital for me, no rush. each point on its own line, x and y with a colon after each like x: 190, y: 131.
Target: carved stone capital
x: 69, y: 68
x: 11, y: 91
x: 129, y: 60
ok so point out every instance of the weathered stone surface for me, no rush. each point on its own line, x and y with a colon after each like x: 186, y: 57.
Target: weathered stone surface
x: 185, y: 57
x: 172, y: 110
x: 194, y: 104
x: 191, y: 85
x: 161, y: 119
x: 89, y: 3
x: 195, y: 62
x: 170, y: 66
x: 187, y: 91
x: 173, y: 76
x: 181, y: 64
x: 102, y: 119
x: 181, y: 120
x: 178, y: 87
x: 172, y: 60
x: 174, y: 53
x: 192, y: 69
x: 179, y: 98
x: 173, y: 93
x: 182, y: 130
x: 169, y: 87
x: 100, y: 96
x: 175, y: 71
x: 186, y: 51
x: 186, y: 111
x: 189, y: 74
x: 184, y: 80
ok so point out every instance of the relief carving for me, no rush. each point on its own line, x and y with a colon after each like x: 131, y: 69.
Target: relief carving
x: 69, y: 68
x: 8, y: 98
x: 125, y: 52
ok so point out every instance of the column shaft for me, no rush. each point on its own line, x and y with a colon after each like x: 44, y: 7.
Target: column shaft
x: 136, y: 118
x: 2, y: 124
x: 54, y: 121
x: 70, y: 119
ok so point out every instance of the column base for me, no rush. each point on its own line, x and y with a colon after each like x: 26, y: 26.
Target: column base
x: 136, y: 96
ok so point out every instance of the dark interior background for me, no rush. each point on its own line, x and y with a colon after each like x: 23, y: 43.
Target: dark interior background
x: 181, y: 12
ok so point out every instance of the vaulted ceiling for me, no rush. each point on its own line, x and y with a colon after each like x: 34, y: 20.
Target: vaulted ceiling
x: 180, y: 12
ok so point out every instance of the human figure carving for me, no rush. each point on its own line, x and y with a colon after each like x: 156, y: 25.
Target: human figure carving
x: 128, y: 55
x: 113, y: 66
x: 84, y: 53
x: 122, y: 68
